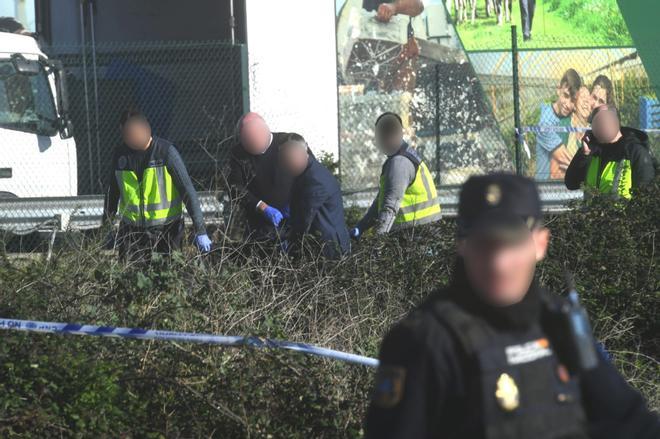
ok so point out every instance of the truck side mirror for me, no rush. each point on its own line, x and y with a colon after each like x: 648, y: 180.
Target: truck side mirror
x: 65, y: 124
x: 24, y: 66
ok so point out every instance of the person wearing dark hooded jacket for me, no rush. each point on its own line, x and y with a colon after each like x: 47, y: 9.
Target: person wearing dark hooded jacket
x: 613, y: 159
x: 489, y: 355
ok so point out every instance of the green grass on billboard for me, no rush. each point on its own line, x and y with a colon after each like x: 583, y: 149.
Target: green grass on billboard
x: 557, y: 24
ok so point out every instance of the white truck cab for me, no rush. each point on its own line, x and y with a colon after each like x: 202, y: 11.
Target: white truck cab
x: 37, y: 150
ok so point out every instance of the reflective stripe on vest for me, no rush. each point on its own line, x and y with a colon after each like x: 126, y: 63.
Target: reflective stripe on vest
x: 615, y: 179
x: 420, y: 204
x: 153, y: 201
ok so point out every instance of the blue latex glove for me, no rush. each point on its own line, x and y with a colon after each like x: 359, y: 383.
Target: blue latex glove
x: 203, y: 243
x: 355, y: 233
x: 286, y: 212
x: 273, y: 215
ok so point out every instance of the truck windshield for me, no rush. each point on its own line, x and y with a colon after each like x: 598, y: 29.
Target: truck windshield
x: 26, y: 102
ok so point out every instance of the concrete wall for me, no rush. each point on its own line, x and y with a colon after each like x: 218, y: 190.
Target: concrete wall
x: 293, y: 68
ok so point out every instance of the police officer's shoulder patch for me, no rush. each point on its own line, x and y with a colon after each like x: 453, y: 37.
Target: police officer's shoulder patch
x: 121, y: 162
x: 390, y: 384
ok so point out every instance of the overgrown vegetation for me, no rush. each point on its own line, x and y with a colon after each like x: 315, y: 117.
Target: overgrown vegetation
x: 72, y: 386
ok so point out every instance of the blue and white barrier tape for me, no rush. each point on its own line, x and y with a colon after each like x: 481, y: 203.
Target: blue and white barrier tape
x: 189, y: 337
x: 559, y: 129
x: 552, y: 129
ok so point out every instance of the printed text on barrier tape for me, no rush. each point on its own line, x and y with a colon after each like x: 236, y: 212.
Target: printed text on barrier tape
x: 560, y: 129
x: 190, y: 337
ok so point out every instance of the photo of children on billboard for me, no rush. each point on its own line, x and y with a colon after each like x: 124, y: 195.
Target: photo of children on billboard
x: 558, y: 91
x: 575, y: 102
x: 563, y: 120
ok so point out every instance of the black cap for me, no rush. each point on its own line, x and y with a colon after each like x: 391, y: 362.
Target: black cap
x: 501, y: 206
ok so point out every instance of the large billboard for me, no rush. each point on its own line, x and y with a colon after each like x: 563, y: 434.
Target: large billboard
x: 406, y: 57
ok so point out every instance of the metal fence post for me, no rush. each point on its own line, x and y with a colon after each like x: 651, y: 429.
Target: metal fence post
x: 245, y: 78
x: 436, y: 123
x: 516, y: 97
x: 87, y: 118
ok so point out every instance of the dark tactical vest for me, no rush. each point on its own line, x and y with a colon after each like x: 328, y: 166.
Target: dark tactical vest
x: 516, y: 386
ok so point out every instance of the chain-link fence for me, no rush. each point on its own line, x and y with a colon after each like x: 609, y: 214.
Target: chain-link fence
x: 415, y: 67
x: 457, y: 107
x: 192, y: 94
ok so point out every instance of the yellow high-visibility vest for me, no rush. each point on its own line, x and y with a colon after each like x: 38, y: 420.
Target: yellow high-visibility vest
x: 616, y: 178
x: 420, y: 204
x: 151, y: 202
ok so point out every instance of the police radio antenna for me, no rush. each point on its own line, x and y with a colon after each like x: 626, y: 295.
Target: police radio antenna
x: 569, y: 279
x: 570, y: 286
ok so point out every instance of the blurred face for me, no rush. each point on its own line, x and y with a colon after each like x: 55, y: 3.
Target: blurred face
x: 583, y: 105
x: 255, y: 136
x: 389, y: 140
x: 565, y: 102
x: 501, y: 272
x: 294, y: 157
x: 598, y: 96
x: 136, y: 134
x: 605, y: 126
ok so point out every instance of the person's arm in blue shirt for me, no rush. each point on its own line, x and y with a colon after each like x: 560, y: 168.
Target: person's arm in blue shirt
x: 548, y: 140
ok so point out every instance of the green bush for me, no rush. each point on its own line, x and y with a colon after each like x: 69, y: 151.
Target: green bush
x: 72, y: 386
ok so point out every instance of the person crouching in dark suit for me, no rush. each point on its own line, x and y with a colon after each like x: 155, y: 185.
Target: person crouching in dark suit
x: 316, y: 202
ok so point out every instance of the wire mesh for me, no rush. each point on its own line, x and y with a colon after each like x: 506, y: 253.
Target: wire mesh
x: 191, y: 92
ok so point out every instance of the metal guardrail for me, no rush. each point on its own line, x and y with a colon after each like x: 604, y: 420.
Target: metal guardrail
x: 26, y: 215
x: 554, y: 196
x: 21, y: 216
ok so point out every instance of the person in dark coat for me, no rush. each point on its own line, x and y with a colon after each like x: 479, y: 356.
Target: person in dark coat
x: 491, y: 355
x: 613, y: 159
x: 316, y: 201
x: 259, y: 187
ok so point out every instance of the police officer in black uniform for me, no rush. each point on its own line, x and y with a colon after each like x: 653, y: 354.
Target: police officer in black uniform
x: 494, y: 355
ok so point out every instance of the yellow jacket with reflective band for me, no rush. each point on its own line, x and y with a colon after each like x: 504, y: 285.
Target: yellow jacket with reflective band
x: 152, y: 201
x: 420, y: 204
x: 615, y: 179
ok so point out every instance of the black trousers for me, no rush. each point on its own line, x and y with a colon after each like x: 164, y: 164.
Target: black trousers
x: 527, y: 8
x: 137, y: 244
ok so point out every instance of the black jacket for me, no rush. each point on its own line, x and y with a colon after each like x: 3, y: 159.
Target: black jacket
x: 437, y: 376
x: 317, y: 208
x: 254, y: 178
x: 633, y: 146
